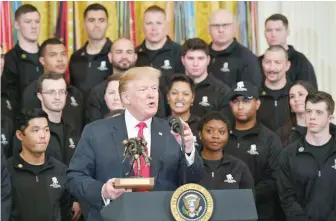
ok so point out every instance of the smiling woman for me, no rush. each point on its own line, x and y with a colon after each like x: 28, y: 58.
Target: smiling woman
x: 181, y: 93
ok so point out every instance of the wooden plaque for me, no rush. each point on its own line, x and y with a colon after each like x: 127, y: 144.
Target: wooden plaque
x: 142, y: 183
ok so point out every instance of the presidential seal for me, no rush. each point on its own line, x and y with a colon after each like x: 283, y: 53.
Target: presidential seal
x: 191, y: 202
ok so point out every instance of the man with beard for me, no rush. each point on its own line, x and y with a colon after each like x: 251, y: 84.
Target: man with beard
x: 122, y: 57
x: 274, y: 108
x: 90, y: 64
x: 257, y: 146
x: 54, y: 59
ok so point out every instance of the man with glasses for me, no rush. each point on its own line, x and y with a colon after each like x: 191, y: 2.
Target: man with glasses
x: 230, y: 61
x: 52, y: 92
x: 54, y: 59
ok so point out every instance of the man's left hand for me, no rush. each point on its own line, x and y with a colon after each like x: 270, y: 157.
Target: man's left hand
x: 188, y: 137
x: 76, y: 211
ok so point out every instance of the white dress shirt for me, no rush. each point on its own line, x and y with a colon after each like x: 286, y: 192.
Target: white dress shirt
x: 132, y: 131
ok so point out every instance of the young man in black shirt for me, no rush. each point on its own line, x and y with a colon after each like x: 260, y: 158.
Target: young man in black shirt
x: 210, y: 93
x: 230, y: 61
x: 54, y: 59
x: 257, y: 146
x: 158, y: 50
x: 276, y: 33
x: 274, y: 108
x: 90, y: 64
x: 38, y: 180
x: 22, y: 65
x: 307, y: 176
x: 52, y: 93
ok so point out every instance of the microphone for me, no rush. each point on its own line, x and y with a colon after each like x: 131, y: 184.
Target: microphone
x: 175, y: 124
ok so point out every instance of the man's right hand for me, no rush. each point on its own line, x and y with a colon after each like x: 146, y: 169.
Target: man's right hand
x: 109, y: 192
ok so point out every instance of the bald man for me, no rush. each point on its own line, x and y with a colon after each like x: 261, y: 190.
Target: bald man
x: 122, y: 57
x: 230, y: 62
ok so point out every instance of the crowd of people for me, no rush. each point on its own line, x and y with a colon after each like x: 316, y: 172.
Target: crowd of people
x: 249, y: 122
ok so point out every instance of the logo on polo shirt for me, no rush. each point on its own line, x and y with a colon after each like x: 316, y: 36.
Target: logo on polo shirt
x: 334, y: 166
x: 204, y: 101
x: 253, y: 150
x: 195, y: 141
x: 73, y: 101
x: 229, y: 179
x: 225, y: 67
x: 55, y: 183
x: 3, y: 139
x: 71, y: 143
x: 9, y: 105
x: 102, y: 66
x: 240, y: 86
x: 166, y: 65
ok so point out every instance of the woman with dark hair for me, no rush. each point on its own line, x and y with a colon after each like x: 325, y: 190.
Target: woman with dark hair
x: 295, y: 128
x: 181, y: 93
x: 221, y: 170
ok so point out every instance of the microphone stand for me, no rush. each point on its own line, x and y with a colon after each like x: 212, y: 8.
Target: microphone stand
x: 184, y: 160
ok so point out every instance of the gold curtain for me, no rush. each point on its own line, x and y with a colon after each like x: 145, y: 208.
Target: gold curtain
x: 49, y: 10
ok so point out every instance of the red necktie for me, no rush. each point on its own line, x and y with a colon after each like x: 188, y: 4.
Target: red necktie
x: 144, y: 170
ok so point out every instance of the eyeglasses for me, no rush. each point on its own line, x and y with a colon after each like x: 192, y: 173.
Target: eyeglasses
x: 54, y: 93
x: 218, y: 26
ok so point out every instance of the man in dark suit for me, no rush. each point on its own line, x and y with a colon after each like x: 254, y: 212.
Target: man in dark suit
x: 98, y: 158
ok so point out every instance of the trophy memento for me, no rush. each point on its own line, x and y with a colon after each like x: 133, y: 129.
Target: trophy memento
x: 135, y: 148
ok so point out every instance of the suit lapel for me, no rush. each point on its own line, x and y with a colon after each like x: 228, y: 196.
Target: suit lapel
x: 119, y: 132
x: 157, y: 148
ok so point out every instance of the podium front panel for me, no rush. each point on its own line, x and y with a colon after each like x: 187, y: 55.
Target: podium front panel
x: 229, y: 205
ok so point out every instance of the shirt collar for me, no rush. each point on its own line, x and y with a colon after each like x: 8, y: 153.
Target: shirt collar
x: 132, y: 122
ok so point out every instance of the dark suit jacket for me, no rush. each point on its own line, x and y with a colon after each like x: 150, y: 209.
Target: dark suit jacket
x: 99, y: 157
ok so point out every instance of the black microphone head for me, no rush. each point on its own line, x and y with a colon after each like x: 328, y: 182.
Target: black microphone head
x: 175, y: 124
